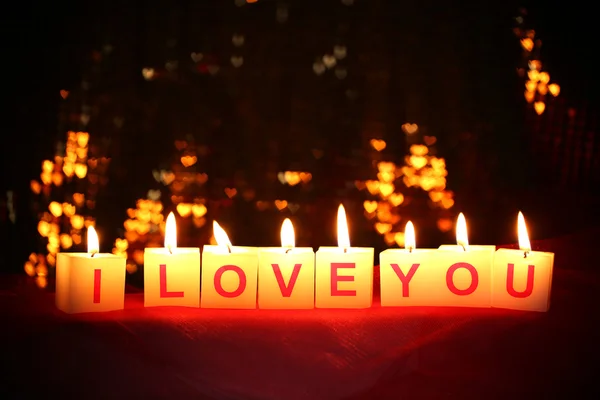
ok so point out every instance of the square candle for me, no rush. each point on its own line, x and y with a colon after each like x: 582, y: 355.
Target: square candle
x: 467, y: 275
x: 88, y: 282
x: 344, y: 277
x: 522, y: 279
x: 229, y: 277
x: 172, y: 277
x: 522, y: 282
x: 286, y: 278
x: 409, y: 277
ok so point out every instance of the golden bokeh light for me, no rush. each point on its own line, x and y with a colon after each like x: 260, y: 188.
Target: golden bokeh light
x: 539, y: 107
x: 538, y: 79
x: 421, y: 170
x: 67, y: 211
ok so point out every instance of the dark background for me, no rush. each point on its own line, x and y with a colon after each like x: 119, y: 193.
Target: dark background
x: 45, y: 47
x: 463, y: 58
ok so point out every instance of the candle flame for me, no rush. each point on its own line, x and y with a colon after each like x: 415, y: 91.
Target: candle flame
x: 220, y: 236
x: 342, y: 229
x: 288, y: 238
x: 462, y: 239
x: 524, y: 243
x: 410, y: 242
x: 93, y: 243
x: 171, y: 232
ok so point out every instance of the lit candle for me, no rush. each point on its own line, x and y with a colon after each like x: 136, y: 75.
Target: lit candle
x: 172, y: 274
x: 467, y: 270
x: 522, y: 279
x: 229, y: 273
x: 344, y: 274
x: 90, y: 282
x: 286, y: 274
x: 408, y: 276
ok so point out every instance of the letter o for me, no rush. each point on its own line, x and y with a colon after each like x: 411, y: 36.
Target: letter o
x: 219, y: 275
x: 450, y: 279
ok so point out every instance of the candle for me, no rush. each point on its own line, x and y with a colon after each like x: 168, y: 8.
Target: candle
x: 344, y: 274
x: 90, y: 282
x: 172, y: 274
x: 408, y: 276
x: 522, y: 279
x: 286, y: 274
x: 467, y: 271
x: 229, y: 273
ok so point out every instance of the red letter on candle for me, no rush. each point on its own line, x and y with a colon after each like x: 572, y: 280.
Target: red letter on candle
x: 163, y: 284
x: 286, y: 291
x: 405, y: 279
x: 450, y: 281
x: 335, y: 278
x: 241, y: 287
x: 97, y: 283
x: 510, y: 282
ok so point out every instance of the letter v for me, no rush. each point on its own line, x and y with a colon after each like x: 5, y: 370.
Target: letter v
x: 286, y: 290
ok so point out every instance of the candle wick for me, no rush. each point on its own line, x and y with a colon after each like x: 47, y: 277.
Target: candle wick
x: 170, y: 249
x: 345, y: 249
x: 229, y: 248
x: 410, y: 249
x: 93, y: 253
x: 288, y: 250
x: 464, y: 248
x: 525, y: 253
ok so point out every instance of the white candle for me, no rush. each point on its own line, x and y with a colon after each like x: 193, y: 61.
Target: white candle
x: 286, y: 274
x: 229, y: 273
x: 522, y: 279
x: 344, y: 274
x: 172, y: 274
x: 90, y: 282
x: 467, y: 270
x: 408, y: 276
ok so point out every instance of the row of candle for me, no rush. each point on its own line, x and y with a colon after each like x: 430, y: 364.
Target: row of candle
x: 289, y: 277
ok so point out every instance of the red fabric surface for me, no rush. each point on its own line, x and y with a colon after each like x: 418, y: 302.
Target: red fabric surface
x: 379, y: 353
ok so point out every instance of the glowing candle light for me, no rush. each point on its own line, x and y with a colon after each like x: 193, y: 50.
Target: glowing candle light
x: 286, y: 274
x: 408, y: 276
x: 171, y: 273
x: 90, y: 282
x: 229, y: 273
x: 522, y: 279
x: 467, y: 270
x: 344, y: 274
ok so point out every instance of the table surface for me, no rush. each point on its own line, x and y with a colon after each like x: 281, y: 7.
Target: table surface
x: 378, y: 353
